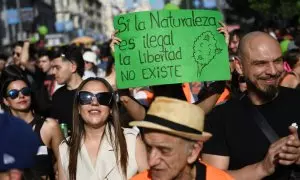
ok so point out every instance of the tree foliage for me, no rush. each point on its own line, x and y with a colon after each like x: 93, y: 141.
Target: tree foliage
x: 279, y: 8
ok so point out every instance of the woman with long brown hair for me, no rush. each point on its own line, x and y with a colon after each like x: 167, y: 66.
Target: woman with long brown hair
x: 98, y: 147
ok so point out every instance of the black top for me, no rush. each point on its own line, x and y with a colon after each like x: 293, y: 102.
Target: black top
x: 44, y: 158
x: 35, y: 78
x: 200, y: 171
x: 40, y: 96
x: 125, y: 117
x: 62, y: 105
x: 236, y: 134
x: 169, y: 90
x: 49, y: 83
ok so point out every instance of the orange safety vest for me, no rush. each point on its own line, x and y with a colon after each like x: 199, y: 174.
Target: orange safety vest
x: 150, y: 96
x: 187, y: 92
x: 224, y: 96
x: 212, y: 173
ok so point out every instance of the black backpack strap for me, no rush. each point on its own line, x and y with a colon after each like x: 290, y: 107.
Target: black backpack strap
x: 260, y: 120
x: 267, y: 130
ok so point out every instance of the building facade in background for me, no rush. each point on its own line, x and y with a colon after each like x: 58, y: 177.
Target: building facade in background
x: 68, y: 19
x: 21, y: 18
x: 78, y: 17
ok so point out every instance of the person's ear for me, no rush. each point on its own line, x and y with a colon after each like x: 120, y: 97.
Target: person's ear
x: 5, y: 102
x: 194, y: 152
x: 239, y: 67
x: 73, y: 67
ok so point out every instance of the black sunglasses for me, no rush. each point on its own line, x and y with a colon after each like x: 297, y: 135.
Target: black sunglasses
x: 14, y: 93
x: 103, y: 98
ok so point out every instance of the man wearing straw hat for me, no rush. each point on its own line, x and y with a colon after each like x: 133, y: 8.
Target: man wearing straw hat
x: 173, y: 134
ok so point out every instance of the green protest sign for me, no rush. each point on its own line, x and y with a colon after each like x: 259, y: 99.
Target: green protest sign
x: 167, y: 47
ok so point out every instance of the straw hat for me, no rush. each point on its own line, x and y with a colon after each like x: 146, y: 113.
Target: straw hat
x: 175, y: 117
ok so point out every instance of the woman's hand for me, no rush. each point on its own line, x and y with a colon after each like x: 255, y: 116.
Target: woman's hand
x: 114, y: 40
x: 224, y: 30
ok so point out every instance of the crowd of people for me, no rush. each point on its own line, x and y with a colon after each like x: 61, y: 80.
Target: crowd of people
x: 63, y: 116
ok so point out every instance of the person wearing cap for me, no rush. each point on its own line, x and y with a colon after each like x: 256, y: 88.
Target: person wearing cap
x: 18, y: 147
x: 90, y: 64
x: 174, y: 136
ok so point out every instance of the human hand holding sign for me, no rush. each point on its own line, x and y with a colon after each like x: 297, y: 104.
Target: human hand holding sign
x: 136, y: 111
x: 224, y: 30
x: 114, y: 40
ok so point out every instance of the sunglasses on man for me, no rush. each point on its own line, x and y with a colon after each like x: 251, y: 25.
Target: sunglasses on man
x: 103, y: 98
x: 14, y: 93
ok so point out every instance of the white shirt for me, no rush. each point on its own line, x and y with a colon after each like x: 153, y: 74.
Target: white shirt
x: 88, y: 74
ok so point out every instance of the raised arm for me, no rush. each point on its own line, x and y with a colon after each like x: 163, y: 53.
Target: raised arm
x: 114, y: 40
x: 209, y: 95
x: 208, y: 103
x: 223, y: 29
x: 134, y: 109
x: 24, y: 57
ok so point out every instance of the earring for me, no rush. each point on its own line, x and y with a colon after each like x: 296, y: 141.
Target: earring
x: 110, y: 115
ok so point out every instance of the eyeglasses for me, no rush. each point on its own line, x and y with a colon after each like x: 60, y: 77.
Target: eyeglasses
x: 14, y: 93
x: 103, y: 98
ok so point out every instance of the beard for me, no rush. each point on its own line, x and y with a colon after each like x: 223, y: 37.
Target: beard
x: 267, y: 94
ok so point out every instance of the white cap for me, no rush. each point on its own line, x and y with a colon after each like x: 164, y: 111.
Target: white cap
x: 94, y: 48
x: 90, y: 56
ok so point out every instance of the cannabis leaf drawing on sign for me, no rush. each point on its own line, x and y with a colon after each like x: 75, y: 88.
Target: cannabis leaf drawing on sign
x: 204, y: 50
